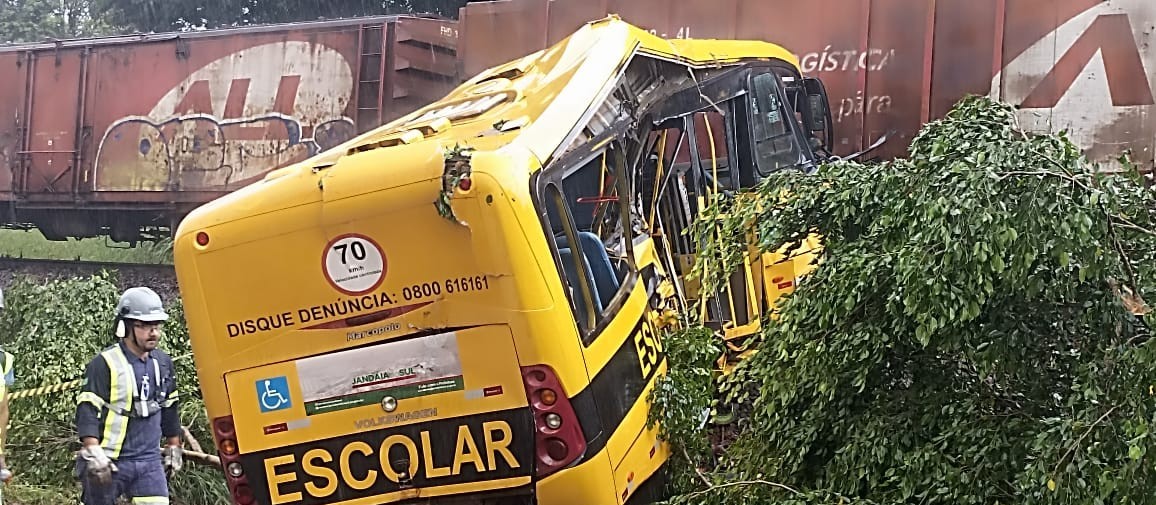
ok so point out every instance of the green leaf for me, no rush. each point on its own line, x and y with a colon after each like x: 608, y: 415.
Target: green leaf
x: 935, y: 354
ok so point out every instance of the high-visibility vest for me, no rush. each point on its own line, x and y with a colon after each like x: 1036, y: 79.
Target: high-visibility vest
x: 5, y: 369
x: 122, y: 389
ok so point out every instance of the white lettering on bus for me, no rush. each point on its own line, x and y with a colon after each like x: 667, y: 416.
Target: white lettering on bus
x: 372, y: 332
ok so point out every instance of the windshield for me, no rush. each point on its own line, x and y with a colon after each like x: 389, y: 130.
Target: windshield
x: 776, y: 145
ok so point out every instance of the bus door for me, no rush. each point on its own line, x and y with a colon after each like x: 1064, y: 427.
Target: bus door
x: 693, y: 158
x: 777, y: 143
x: 613, y: 277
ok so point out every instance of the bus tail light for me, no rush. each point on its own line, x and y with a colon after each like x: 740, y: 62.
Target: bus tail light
x: 225, y: 434
x: 558, y: 439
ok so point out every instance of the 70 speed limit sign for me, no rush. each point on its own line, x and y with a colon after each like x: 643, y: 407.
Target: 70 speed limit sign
x: 353, y: 264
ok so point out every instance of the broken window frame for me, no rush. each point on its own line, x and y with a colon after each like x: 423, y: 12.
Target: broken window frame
x: 614, y: 145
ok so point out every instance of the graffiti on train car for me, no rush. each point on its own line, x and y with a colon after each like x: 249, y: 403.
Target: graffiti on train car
x: 232, y: 120
x: 1089, y: 76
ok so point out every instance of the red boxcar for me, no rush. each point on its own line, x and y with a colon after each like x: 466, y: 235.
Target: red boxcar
x: 1087, y: 66
x: 110, y: 136
x: 118, y: 135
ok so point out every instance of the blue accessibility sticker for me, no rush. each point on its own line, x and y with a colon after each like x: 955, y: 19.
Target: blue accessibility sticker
x: 273, y: 394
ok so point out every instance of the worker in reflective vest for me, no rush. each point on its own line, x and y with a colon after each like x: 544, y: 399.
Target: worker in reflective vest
x: 6, y: 370
x: 127, y: 404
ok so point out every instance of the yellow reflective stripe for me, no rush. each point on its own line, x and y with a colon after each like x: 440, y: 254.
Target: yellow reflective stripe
x: 119, y: 395
x: 150, y: 500
x: 172, y: 400
x: 93, y: 398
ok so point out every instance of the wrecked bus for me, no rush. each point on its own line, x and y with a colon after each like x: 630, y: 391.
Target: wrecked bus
x: 466, y: 305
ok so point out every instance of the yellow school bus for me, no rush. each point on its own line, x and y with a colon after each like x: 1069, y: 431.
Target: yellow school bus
x: 465, y: 305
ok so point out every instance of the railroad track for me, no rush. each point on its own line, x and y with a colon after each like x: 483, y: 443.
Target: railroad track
x: 160, y: 277
x: 58, y: 264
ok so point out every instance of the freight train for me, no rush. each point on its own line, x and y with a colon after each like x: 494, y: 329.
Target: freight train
x: 123, y: 136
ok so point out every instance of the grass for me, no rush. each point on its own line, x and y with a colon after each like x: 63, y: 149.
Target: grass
x: 29, y: 494
x: 32, y: 244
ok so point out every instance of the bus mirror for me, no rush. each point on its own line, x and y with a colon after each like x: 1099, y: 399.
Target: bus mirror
x: 820, y: 112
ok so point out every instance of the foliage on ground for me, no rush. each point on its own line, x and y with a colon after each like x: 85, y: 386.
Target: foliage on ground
x: 970, y: 336
x: 54, y: 328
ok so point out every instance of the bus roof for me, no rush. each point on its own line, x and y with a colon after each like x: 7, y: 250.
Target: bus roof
x: 532, y: 104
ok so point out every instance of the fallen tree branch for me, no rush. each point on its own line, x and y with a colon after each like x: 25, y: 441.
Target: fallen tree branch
x: 1128, y: 225
x: 193, y: 443
x: 1046, y: 173
x: 744, y: 483
x: 1082, y: 437
x: 200, y: 457
x: 697, y: 470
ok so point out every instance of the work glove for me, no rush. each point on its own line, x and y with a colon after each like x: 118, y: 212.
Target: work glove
x: 5, y: 472
x: 173, y: 457
x: 98, y: 468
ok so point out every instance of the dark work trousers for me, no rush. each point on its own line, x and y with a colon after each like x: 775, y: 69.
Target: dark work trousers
x: 143, y: 482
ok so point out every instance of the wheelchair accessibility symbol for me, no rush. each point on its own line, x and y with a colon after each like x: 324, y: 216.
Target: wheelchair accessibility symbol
x: 274, y: 394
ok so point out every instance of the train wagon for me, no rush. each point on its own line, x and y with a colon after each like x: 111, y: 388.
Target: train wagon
x: 122, y: 136
x: 1085, y: 66
x: 1079, y: 65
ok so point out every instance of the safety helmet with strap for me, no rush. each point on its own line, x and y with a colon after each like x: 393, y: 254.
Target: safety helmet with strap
x: 141, y: 304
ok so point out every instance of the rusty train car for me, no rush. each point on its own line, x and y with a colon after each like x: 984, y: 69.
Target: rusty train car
x: 122, y: 136
x: 115, y: 136
x: 1087, y: 66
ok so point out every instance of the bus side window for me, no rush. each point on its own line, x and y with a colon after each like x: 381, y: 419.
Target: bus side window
x: 594, y: 236
x: 575, y: 271
x: 663, y: 186
x: 714, y: 139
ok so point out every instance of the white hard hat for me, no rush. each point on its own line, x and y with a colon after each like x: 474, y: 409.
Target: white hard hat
x: 142, y: 304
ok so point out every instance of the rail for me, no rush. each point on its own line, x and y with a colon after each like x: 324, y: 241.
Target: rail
x: 7, y: 262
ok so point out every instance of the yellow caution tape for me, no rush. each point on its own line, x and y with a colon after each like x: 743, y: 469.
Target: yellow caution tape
x: 43, y: 390
x: 56, y: 388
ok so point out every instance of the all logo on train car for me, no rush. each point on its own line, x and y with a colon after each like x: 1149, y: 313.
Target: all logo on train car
x: 353, y: 263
